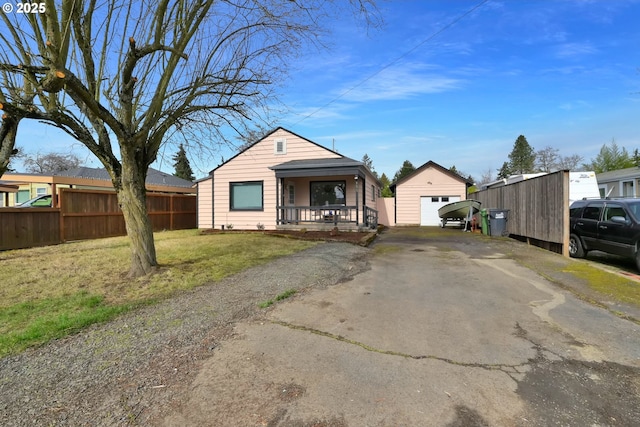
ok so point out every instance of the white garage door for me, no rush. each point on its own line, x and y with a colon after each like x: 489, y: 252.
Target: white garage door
x: 429, y: 206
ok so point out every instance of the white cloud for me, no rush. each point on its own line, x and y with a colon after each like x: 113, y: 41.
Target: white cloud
x: 402, y: 81
x: 571, y: 50
x: 579, y: 104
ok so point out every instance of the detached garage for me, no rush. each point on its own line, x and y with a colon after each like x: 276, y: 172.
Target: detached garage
x: 420, y: 194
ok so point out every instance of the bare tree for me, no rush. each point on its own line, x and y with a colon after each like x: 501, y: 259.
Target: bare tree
x: 571, y: 162
x: 547, y: 159
x: 50, y: 163
x: 486, y: 177
x: 133, y: 74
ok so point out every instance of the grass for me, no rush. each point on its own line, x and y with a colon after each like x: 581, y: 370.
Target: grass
x: 280, y: 297
x: 611, y: 285
x: 54, y: 291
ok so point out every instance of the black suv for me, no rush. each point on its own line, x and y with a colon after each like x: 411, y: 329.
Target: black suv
x: 607, y: 225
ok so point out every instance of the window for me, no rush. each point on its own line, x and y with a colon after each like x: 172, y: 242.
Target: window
x: 292, y: 194
x: 22, y: 196
x: 280, y: 146
x: 373, y: 193
x: 614, y: 210
x: 445, y: 199
x: 41, y: 191
x: 634, y: 207
x: 627, y: 189
x: 435, y: 199
x: 328, y: 193
x: 246, y: 196
x: 603, y: 191
x: 592, y: 211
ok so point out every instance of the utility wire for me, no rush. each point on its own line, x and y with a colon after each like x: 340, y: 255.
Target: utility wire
x: 398, y: 59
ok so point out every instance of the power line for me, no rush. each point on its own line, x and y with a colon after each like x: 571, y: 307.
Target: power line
x: 398, y: 59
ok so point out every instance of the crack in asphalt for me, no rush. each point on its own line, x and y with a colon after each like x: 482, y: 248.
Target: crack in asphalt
x: 510, y: 370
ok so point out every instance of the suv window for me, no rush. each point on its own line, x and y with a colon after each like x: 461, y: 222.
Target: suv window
x: 592, y: 211
x: 613, y: 210
x: 634, y: 207
x: 576, y: 209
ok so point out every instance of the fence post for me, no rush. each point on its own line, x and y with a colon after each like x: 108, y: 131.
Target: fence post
x: 171, y: 205
x: 61, y: 204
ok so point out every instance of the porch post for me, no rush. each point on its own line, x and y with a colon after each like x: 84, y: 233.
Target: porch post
x: 278, y: 199
x: 357, y: 211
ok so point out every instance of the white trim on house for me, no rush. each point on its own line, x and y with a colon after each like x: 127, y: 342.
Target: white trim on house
x: 280, y: 146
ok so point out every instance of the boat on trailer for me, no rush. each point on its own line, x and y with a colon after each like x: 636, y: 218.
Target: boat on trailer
x: 461, y: 212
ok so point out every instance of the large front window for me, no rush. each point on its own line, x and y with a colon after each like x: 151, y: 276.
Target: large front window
x: 328, y: 193
x: 246, y: 196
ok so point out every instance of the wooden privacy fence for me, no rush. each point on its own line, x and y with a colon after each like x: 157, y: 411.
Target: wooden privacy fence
x: 538, y: 209
x: 85, y: 214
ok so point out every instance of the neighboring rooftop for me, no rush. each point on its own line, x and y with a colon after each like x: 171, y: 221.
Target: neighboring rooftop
x: 619, y: 174
x: 99, y: 177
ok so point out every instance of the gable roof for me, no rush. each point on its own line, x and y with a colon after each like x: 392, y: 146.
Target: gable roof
x: 431, y: 164
x: 268, y: 135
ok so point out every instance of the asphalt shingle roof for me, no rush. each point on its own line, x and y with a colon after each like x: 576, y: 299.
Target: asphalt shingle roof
x: 153, y: 176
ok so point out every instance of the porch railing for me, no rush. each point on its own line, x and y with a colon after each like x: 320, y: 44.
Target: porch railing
x: 337, y: 214
x: 371, y: 217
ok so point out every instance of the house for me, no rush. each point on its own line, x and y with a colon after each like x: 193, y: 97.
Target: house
x: 5, y: 190
x: 33, y: 185
x: 619, y: 183
x: 287, y: 181
x: 419, y: 195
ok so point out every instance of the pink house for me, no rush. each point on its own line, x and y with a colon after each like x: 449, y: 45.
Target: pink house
x: 287, y: 181
x: 420, y: 194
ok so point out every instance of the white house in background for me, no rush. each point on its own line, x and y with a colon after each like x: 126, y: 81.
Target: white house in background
x: 619, y: 183
x: 286, y: 181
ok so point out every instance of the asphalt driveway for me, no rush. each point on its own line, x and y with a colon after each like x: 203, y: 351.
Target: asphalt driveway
x: 446, y: 330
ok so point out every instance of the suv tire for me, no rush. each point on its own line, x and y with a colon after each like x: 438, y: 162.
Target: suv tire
x: 576, y: 250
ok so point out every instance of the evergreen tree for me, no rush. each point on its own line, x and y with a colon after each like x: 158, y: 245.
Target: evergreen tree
x: 405, y: 170
x: 611, y: 158
x: 386, y: 191
x: 522, y: 158
x: 369, y: 164
x: 182, y: 166
x: 504, y: 171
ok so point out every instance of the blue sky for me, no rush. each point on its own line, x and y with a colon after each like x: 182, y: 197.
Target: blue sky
x: 434, y: 85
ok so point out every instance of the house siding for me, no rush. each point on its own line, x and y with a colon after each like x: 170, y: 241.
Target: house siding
x: 253, y: 165
x: 386, y: 211
x: 428, y: 182
x: 205, y: 203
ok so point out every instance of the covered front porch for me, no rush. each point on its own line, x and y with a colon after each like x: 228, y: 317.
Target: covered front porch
x: 325, y: 193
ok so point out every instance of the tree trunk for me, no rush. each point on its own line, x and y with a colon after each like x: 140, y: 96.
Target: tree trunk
x: 8, y: 131
x: 132, y: 199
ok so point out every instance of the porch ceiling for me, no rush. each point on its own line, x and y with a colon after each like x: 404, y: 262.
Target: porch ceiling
x: 319, y: 167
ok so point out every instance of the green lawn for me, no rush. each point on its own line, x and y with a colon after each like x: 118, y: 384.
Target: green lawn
x: 53, y: 291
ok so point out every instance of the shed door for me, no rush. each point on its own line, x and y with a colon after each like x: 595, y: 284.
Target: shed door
x: 429, y: 206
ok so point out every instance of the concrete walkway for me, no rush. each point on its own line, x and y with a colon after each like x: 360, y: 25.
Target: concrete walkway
x: 441, y: 331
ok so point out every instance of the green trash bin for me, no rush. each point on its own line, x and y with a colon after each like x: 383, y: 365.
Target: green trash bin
x: 484, y: 221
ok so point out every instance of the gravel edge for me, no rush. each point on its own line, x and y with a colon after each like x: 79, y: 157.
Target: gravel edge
x: 135, y: 368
